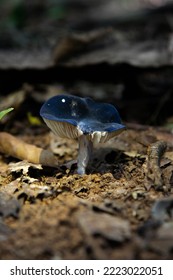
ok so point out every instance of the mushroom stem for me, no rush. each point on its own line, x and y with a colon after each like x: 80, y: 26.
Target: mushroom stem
x: 85, y: 150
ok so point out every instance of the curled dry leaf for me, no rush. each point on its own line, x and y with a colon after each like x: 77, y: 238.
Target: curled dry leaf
x: 153, y: 175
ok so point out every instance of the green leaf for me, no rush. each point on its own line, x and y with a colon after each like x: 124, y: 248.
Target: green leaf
x: 4, y: 112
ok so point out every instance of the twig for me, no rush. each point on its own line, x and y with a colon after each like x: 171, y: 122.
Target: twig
x: 17, y: 148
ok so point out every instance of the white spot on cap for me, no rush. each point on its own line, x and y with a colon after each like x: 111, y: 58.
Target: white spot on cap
x: 63, y: 100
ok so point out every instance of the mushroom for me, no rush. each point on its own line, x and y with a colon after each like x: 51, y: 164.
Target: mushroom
x: 84, y: 119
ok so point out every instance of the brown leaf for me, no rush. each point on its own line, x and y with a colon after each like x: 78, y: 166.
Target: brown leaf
x: 163, y: 209
x: 107, y: 226
x: 5, y: 231
x: 8, y: 206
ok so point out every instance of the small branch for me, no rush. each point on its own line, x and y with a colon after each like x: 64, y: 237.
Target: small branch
x: 17, y: 148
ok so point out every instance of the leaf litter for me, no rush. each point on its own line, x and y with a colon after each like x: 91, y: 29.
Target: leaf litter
x: 121, y: 209
x: 101, y: 213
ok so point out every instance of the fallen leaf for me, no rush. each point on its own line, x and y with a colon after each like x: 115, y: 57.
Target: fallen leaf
x: 9, y: 206
x: 4, y: 231
x: 23, y: 166
x: 107, y: 226
x: 163, y: 209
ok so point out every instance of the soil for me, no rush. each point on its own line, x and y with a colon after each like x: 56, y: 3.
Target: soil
x: 54, y: 213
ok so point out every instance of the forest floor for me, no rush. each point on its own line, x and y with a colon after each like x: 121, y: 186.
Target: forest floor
x: 123, y: 207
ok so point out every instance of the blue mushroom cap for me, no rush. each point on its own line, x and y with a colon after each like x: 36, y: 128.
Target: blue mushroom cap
x: 71, y: 116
